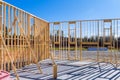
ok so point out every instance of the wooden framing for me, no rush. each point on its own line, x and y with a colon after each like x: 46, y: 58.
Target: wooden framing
x: 26, y: 39
x: 23, y: 38
x: 0, y: 37
x: 87, y: 33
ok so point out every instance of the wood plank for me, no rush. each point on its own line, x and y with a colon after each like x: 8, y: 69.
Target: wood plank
x: 4, y: 54
x: 1, y: 67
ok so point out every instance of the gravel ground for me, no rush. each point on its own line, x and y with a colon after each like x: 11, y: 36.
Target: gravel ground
x: 88, y: 54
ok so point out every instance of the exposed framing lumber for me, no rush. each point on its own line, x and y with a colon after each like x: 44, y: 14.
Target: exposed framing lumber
x: 32, y: 51
x: 1, y: 61
x: 11, y: 60
x: 21, y: 38
x: 89, y: 28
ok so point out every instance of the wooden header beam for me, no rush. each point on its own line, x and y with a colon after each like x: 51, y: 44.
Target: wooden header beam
x: 72, y: 22
x: 108, y: 20
x: 56, y: 23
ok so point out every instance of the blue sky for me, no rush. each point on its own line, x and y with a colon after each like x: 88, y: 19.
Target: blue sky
x: 64, y: 10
